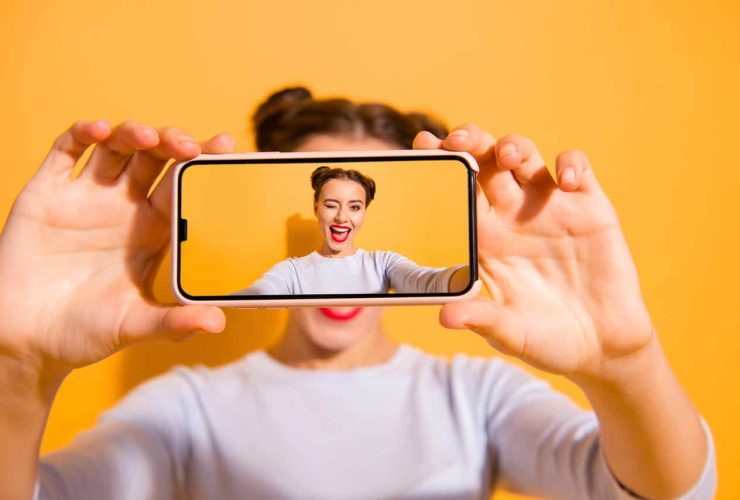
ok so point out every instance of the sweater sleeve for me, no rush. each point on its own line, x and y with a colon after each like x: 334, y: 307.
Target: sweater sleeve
x: 278, y: 280
x: 544, y: 445
x: 405, y: 276
x: 138, y: 450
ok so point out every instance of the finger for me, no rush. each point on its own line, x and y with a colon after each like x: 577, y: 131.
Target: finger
x: 471, y: 139
x: 161, y: 197
x: 147, y: 322
x: 499, y: 186
x: 574, y: 172
x: 145, y: 166
x: 110, y: 157
x: 519, y: 155
x: 487, y: 318
x: 222, y: 143
x: 482, y: 205
x: 426, y: 140
x: 70, y: 146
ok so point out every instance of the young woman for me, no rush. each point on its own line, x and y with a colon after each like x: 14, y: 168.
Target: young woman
x: 336, y: 409
x: 341, y: 198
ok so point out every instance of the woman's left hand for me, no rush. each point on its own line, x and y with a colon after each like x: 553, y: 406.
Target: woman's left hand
x: 565, y: 292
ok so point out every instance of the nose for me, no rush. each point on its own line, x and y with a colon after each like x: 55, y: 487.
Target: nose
x: 341, y: 216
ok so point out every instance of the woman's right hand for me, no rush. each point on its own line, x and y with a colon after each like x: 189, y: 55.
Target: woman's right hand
x: 78, y: 255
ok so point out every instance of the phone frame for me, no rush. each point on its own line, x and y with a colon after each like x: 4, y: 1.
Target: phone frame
x: 335, y: 299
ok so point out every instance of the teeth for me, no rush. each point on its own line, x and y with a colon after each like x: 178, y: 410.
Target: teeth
x: 338, y: 230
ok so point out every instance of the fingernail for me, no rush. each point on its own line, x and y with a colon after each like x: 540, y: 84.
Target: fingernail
x: 149, y: 133
x: 225, y: 136
x: 507, y: 150
x: 568, y: 175
x: 185, y: 139
x: 461, y: 132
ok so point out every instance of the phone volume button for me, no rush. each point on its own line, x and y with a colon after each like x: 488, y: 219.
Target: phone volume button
x: 183, y: 230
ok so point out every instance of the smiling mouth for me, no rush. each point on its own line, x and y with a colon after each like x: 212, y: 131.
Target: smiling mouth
x: 339, y: 233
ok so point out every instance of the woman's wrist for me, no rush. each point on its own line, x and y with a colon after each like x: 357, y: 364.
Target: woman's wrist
x: 25, y: 384
x: 26, y: 397
x: 628, y: 373
x: 651, y: 433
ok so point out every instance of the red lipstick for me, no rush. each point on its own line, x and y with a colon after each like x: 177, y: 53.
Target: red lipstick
x: 339, y: 233
x: 332, y: 313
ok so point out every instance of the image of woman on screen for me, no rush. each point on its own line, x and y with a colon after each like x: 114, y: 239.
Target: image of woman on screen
x: 341, y: 199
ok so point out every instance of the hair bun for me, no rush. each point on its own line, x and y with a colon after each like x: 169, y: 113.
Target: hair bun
x: 316, y: 176
x: 423, y: 121
x: 273, y: 109
x: 292, y: 115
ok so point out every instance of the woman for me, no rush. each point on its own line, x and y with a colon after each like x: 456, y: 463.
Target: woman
x: 341, y: 198
x: 336, y: 409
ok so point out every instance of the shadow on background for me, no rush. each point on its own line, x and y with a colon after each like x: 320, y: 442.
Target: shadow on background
x: 302, y: 236
x: 246, y: 330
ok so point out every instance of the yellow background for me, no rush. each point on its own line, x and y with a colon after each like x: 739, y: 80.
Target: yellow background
x: 648, y: 88
x: 244, y: 219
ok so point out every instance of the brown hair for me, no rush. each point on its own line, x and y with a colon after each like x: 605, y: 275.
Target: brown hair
x: 322, y: 175
x: 290, y: 116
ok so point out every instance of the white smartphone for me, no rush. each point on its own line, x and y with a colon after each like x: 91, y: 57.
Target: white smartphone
x: 277, y: 230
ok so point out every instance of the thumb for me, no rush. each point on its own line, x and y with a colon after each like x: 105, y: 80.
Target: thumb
x: 489, y: 319
x: 148, y: 322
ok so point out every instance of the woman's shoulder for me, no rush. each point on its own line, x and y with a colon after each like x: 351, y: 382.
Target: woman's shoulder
x: 470, y: 369
x: 382, y: 258
x: 187, y: 382
x: 484, y: 383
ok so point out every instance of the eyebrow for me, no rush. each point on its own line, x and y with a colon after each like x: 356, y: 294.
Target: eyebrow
x: 337, y: 201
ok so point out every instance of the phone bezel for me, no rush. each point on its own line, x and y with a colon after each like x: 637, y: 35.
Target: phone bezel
x: 280, y: 301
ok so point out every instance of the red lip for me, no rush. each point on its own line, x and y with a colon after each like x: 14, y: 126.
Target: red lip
x: 342, y: 237
x: 340, y: 316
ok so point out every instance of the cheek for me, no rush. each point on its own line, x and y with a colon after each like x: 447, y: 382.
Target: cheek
x: 358, y: 219
x: 322, y: 216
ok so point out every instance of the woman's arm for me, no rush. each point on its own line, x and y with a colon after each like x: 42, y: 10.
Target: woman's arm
x: 566, y: 299
x: 651, y: 433
x: 141, y: 448
x: 406, y: 276
x: 544, y: 445
x: 25, y: 402
x: 77, y: 261
x: 280, y: 279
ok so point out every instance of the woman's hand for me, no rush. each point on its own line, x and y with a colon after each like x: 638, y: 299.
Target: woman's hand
x: 78, y: 256
x: 565, y: 292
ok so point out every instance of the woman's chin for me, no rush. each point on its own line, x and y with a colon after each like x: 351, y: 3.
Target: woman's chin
x: 337, y: 248
x: 337, y: 329
x: 334, y: 340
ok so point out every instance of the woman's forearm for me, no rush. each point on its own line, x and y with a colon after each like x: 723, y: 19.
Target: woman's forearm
x: 25, y: 400
x: 652, y: 436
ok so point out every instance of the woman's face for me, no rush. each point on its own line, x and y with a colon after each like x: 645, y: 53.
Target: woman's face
x: 338, y: 328
x: 340, y: 211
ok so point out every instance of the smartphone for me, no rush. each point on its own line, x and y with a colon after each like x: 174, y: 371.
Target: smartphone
x: 305, y: 229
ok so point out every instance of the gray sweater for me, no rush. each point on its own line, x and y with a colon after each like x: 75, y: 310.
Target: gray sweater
x: 362, y: 272
x: 416, y: 427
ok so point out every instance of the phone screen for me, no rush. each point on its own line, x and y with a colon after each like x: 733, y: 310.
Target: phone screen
x: 253, y: 229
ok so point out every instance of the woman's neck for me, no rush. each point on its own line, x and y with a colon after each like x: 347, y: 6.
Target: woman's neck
x: 326, y: 251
